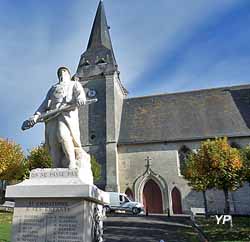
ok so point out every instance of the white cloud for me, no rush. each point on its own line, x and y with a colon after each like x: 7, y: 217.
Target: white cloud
x: 141, y: 32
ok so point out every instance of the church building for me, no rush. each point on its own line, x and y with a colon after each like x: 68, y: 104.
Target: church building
x: 141, y: 142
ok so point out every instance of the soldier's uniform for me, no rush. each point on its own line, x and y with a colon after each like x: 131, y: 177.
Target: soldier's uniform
x: 62, y: 133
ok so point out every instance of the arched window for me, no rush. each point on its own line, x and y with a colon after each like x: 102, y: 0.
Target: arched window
x: 101, y: 61
x: 85, y: 63
x: 235, y: 145
x: 183, y: 152
x: 176, y: 201
x: 130, y: 194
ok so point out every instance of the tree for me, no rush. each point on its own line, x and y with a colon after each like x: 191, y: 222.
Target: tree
x: 39, y: 157
x: 197, y: 175
x: 96, y: 169
x: 225, y: 164
x: 11, y: 162
x: 245, y: 152
x: 216, y: 165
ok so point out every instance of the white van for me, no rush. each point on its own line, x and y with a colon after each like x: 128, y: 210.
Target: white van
x: 120, y: 201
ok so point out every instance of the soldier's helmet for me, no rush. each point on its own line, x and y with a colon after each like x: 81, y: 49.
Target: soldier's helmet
x: 60, y: 70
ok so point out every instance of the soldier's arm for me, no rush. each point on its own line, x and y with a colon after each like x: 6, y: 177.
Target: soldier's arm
x: 29, y: 123
x: 42, y: 108
x: 79, y: 94
x: 45, y: 104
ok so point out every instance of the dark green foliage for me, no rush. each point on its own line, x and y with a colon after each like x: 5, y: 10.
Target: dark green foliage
x: 96, y: 169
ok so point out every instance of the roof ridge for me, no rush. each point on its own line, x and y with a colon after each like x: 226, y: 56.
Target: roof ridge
x: 189, y: 91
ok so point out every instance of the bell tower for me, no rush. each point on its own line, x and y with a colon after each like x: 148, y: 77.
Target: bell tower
x: 100, y: 122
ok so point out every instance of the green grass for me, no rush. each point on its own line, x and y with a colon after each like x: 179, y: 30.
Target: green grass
x: 223, y: 233
x: 187, y: 234
x: 5, y: 226
x: 215, y: 233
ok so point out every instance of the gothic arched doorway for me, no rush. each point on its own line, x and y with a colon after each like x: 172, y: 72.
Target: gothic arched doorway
x: 152, y: 197
x: 176, y: 201
x: 130, y: 194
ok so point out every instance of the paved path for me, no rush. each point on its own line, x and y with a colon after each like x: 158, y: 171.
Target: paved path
x: 125, y: 228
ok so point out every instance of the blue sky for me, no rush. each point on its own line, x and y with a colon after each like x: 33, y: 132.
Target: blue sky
x: 161, y: 46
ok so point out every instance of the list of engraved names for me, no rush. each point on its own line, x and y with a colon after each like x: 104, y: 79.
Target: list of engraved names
x: 54, y: 221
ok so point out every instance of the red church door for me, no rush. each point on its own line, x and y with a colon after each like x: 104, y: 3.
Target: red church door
x: 152, y: 197
x: 176, y: 201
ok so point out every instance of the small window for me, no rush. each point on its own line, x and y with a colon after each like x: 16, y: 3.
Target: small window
x: 86, y: 63
x: 129, y: 194
x: 92, y: 137
x: 101, y: 61
x: 235, y: 145
x: 184, y: 151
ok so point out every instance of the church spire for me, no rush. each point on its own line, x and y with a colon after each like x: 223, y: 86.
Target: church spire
x: 100, y: 31
x: 99, y: 56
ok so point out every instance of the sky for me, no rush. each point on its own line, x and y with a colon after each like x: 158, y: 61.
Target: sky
x: 161, y: 46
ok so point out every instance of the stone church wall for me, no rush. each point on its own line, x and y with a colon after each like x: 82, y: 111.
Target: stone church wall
x: 165, y: 163
x: 114, y: 101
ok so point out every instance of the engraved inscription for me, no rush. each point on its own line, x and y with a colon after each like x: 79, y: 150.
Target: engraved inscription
x: 48, y: 220
x: 28, y: 228
x: 68, y: 229
x: 42, y: 173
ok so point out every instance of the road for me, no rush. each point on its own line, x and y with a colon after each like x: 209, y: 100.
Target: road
x: 154, y: 228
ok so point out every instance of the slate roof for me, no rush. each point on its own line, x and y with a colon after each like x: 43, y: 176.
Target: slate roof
x: 187, y: 116
x: 100, y: 36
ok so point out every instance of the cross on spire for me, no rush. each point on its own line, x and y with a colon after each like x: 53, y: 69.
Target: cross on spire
x: 148, y: 165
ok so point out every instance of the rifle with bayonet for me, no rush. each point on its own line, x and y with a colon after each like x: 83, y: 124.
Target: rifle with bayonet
x: 51, y: 114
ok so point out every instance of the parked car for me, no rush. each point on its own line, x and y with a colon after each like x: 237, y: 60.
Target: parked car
x: 120, y: 202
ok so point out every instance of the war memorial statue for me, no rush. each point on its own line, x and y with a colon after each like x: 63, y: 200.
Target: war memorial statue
x: 53, y: 200
x: 59, y: 112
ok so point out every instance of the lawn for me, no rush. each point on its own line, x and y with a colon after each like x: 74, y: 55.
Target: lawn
x: 5, y: 226
x: 223, y: 233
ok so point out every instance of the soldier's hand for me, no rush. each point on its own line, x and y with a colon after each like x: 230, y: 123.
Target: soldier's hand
x: 33, y: 119
x: 80, y: 102
x: 29, y: 123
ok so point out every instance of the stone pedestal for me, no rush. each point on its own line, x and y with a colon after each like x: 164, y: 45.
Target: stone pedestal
x: 55, y: 205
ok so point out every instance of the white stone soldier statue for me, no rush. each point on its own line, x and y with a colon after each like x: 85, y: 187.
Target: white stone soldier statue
x: 59, y: 112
